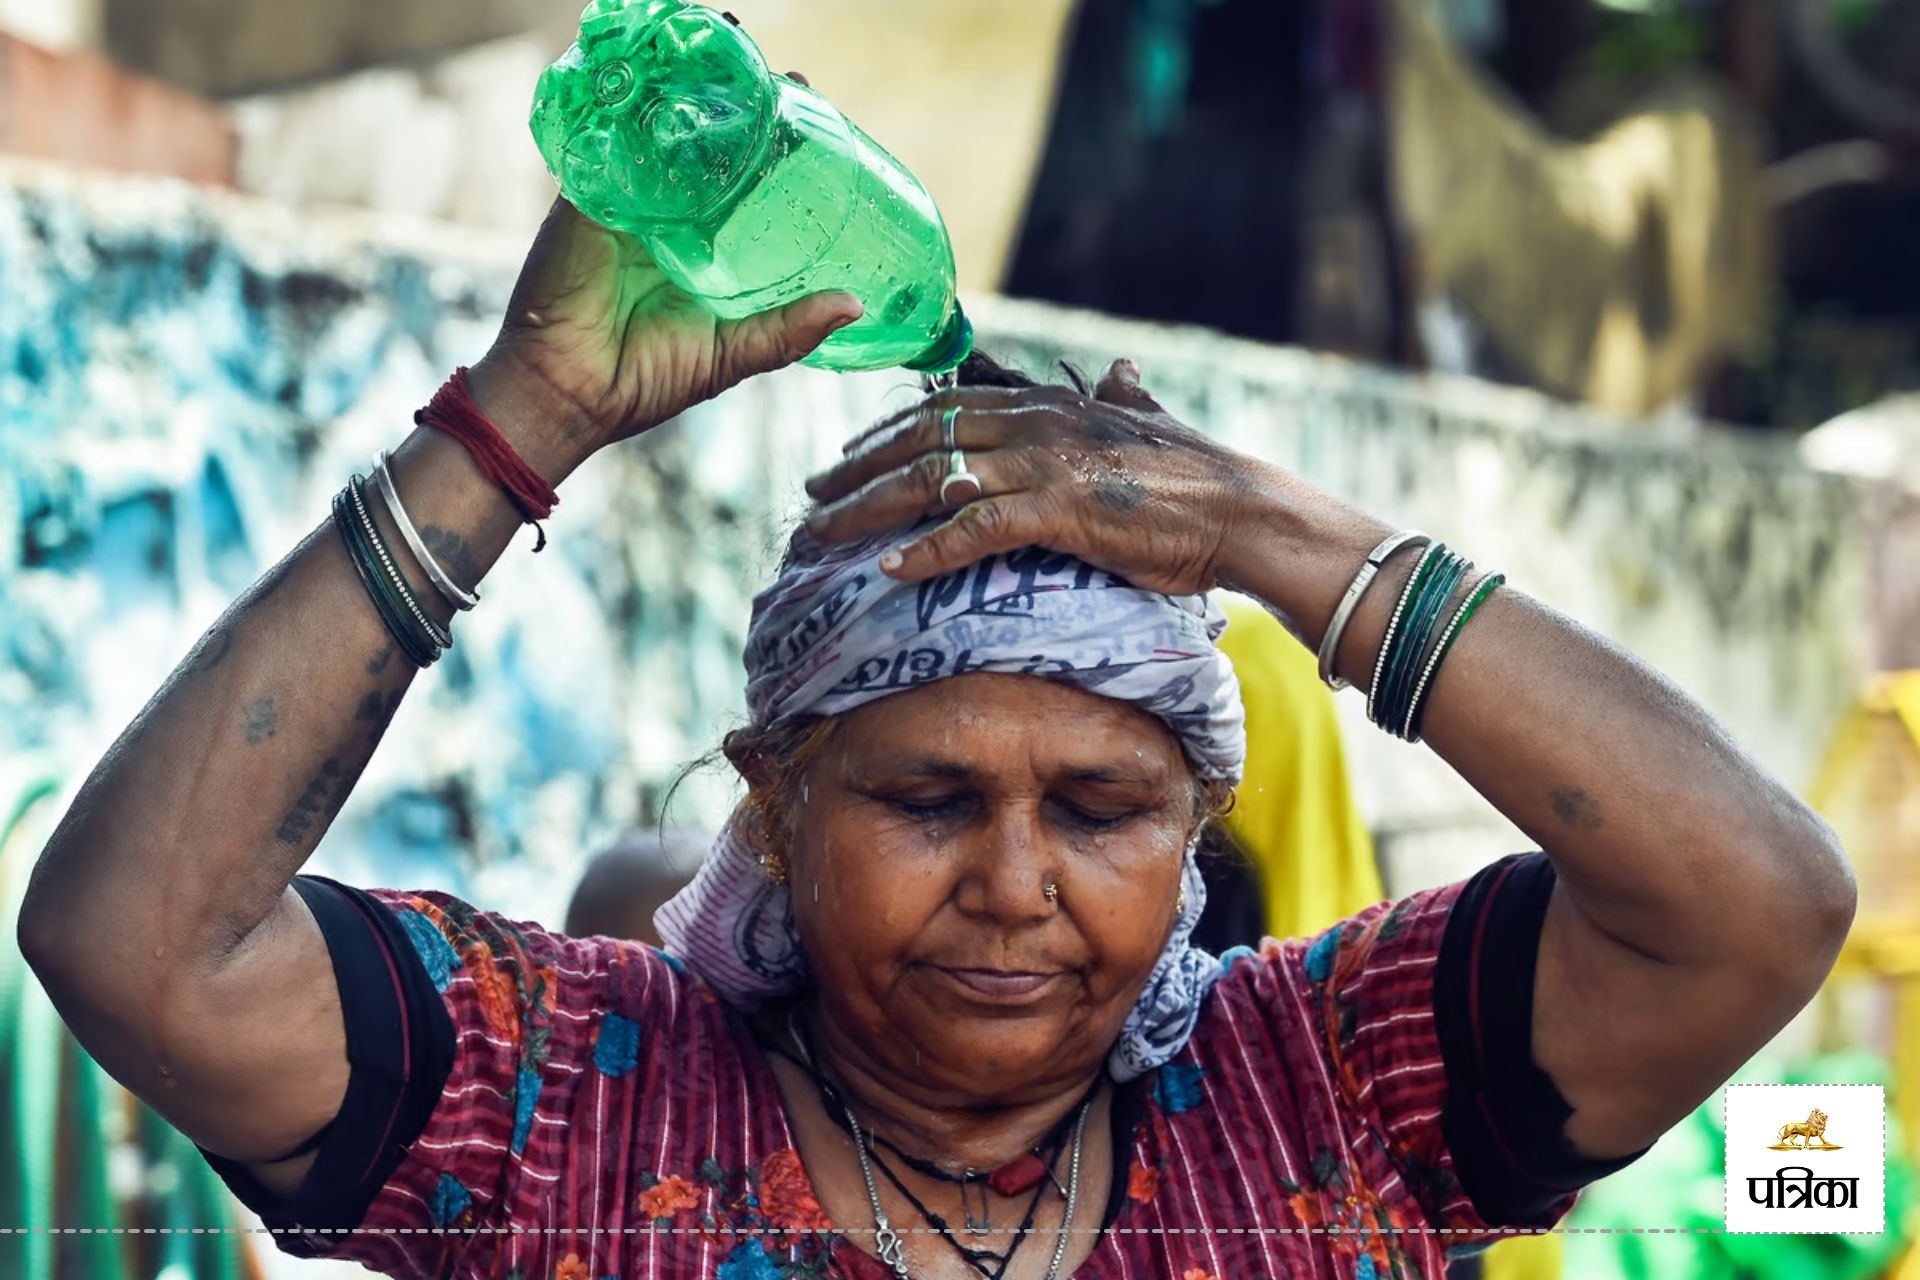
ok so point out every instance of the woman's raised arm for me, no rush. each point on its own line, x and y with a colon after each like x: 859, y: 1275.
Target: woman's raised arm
x: 1698, y: 905
x: 160, y: 916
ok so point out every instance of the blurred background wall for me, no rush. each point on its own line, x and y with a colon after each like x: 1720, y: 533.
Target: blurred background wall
x: 1625, y: 296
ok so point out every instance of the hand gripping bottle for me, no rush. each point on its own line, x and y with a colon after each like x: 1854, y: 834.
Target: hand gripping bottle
x: 749, y: 190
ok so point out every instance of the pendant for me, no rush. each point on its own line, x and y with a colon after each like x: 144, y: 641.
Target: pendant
x: 891, y: 1250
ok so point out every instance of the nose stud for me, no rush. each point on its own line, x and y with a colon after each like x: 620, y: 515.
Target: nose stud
x: 1050, y: 891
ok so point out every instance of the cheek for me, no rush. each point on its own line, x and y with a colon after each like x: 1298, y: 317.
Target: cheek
x: 864, y: 885
x: 1122, y: 900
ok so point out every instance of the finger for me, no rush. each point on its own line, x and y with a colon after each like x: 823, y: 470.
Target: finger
x: 900, y: 445
x: 983, y: 529
x: 915, y: 491
x: 966, y: 398
x: 783, y: 336
x: 1120, y: 384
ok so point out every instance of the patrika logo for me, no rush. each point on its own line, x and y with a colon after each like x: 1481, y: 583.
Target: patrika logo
x: 1822, y: 1186
x: 1810, y: 1131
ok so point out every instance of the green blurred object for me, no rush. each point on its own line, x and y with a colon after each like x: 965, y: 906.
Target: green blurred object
x: 1679, y: 1184
x: 749, y: 189
x: 60, y: 1117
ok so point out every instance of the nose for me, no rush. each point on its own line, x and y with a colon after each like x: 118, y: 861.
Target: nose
x: 1008, y: 862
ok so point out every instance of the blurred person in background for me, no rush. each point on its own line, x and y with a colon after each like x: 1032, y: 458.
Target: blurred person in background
x: 622, y: 887
x: 932, y: 993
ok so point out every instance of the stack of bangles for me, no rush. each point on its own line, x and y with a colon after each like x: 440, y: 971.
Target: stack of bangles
x: 418, y: 636
x: 1435, y: 605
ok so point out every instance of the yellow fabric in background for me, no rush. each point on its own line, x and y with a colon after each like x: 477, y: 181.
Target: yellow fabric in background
x: 1295, y: 820
x: 1294, y: 816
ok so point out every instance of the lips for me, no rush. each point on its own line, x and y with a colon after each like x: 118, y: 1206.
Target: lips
x: 999, y: 986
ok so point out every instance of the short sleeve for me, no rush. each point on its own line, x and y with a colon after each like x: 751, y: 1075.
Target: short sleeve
x: 1506, y: 1120
x: 1424, y: 1010
x: 453, y: 1151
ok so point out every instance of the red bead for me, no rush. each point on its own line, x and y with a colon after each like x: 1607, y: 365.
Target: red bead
x: 1018, y: 1177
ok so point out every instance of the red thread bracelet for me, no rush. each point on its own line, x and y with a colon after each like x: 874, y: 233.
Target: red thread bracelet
x: 453, y: 411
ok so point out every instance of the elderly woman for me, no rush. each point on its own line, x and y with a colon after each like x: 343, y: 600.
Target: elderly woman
x: 929, y: 1008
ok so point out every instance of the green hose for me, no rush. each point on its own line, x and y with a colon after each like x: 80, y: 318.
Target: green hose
x: 54, y: 1095
x: 30, y: 1035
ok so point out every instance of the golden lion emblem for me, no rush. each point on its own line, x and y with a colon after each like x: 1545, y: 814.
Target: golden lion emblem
x: 1810, y: 1131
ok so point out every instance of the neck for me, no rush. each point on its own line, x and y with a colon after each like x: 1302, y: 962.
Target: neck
x: 954, y: 1131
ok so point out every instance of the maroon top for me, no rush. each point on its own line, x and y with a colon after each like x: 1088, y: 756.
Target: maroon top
x: 527, y: 1105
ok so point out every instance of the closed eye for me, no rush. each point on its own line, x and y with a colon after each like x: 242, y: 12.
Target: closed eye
x: 945, y: 809
x: 1080, y: 819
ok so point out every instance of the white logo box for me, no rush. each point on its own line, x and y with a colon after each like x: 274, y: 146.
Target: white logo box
x: 1809, y: 1190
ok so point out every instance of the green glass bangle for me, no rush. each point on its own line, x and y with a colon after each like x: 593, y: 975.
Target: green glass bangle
x: 438, y: 637
x: 1417, y: 709
x: 1421, y: 569
x: 1417, y: 641
x: 391, y: 612
x: 379, y: 592
x: 1417, y: 635
x: 1413, y: 636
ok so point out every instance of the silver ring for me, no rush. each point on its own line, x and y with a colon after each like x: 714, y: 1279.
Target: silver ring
x: 957, y: 474
x: 948, y: 439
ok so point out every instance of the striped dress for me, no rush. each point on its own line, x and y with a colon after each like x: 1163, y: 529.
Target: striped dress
x: 537, y: 1107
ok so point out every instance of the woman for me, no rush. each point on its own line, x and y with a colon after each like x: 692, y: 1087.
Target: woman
x: 943, y: 1020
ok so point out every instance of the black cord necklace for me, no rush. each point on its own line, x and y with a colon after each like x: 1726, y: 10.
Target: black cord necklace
x: 977, y: 1258
x: 1051, y: 1144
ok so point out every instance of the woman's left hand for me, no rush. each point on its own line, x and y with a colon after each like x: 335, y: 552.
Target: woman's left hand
x: 1112, y: 480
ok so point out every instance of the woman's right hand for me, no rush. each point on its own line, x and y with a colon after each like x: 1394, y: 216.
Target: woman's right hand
x: 600, y: 343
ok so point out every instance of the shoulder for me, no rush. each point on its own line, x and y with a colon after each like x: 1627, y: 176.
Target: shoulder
x: 518, y: 969
x: 1400, y: 938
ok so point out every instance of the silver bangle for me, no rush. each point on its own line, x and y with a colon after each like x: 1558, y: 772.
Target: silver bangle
x: 1330, y: 645
x: 443, y: 583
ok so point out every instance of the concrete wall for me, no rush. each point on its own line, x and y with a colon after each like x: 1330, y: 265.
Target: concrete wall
x: 186, y: 378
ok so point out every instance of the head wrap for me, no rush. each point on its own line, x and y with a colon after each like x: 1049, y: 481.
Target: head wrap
x: 834, y: 633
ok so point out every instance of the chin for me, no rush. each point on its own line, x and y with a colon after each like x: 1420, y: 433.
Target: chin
x: 987, y: 1057
x: 989, y: 1047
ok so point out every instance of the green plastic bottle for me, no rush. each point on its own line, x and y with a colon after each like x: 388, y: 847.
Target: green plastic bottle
x: 750, y: 190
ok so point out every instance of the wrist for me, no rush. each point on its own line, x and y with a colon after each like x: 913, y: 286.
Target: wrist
x: 1296, y: 549
x: 544, y: 427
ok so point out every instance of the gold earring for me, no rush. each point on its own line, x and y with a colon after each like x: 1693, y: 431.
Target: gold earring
x: 774, y: 867
x: 1050, y: 891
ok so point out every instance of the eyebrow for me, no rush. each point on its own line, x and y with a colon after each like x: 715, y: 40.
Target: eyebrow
x: 955, y: 771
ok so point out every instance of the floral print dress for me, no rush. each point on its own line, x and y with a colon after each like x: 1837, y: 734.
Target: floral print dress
x: 602, y: 1114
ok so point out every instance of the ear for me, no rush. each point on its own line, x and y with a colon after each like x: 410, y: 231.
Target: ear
x: 752, y: 765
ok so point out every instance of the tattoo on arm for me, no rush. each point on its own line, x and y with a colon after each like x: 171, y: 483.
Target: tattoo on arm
x: 378, y: 662
x: 260, y: 719
x: 454, y: 553
x: 376, y: 712
x: 1576, y: 809
x: 323, y: 794
x: 1119, y: 491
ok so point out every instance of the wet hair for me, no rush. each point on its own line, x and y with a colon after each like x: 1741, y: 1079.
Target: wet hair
x: 982, y: 370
